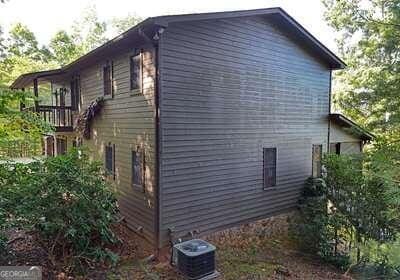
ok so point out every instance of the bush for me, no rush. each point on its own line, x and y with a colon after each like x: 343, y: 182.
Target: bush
x: 314, y: 229
x: 65, y: 199
x: 353, y: 206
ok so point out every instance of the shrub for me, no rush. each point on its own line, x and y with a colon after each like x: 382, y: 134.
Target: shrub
x: 314, y: 228
x: 353, y: 206
x: 65, y: 199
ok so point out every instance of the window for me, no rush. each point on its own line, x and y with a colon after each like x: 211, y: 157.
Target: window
x: 108, y: 79
x: 75, y: 93
x: 138, y: 168
x: 316, y: 160
x: 269, y: 155
x: 334, y: 148
x: 110, y: 159
x: 337, y: 148
x: 61, y: 146
x: 136, y: 75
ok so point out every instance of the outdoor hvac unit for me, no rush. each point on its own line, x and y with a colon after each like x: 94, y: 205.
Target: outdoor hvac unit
x: 194, y: 258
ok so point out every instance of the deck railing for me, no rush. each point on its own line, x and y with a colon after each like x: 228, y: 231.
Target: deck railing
x: 59, y: 116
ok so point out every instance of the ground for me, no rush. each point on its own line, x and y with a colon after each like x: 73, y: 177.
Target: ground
x: 261, y: 250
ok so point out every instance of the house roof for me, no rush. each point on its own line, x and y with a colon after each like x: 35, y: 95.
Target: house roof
x: 276, y: 15
x: 345, y: 122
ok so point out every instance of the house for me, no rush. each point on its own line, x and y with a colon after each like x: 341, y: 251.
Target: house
x: 205, y: 121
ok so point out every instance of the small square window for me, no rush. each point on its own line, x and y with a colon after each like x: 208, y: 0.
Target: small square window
x: 269, y: 155
x: 334, y: 148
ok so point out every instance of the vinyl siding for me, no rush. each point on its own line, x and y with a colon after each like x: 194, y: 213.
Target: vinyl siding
x: 126, y: 120
x: 229, y: 88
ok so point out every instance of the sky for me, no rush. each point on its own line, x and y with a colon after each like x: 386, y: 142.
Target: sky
x: 46, y: 17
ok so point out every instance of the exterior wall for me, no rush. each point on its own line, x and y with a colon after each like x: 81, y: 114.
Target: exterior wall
x: 229, y: 88
x: 350, y: 143
x: 126, y: 120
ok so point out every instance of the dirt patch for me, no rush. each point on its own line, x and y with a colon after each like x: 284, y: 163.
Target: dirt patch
x: 25, y: 248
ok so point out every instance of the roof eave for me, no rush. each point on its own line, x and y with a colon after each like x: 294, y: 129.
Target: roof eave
x: 364, y: 135
x: 335, y: 63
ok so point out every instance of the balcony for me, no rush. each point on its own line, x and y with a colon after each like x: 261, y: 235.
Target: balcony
x: 58, y: 116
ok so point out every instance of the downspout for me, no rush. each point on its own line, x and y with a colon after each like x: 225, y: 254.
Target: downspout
x: 330, y: 109
x: 157, y: 149
x: 154, y: 41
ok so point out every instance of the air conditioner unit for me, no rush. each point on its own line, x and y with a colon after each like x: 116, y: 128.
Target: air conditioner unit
x: 195, y: 258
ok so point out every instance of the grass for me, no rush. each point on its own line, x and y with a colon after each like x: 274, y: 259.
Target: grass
x: 238, y: 264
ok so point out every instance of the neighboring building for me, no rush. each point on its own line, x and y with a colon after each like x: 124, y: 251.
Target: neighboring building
x: 208, y: 120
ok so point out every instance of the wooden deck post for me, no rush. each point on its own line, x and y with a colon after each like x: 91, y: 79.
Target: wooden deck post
x: 36, y: 92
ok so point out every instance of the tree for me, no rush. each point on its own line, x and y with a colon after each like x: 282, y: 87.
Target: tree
x: 89, y: 32
x: 123, y: 24
x: 22, y: 42
x: 369, y: 40
x: 2, y: 46
x: 64, y: 48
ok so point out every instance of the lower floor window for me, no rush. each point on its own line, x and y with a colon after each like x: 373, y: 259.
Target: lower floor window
x: 138, y: 167
x: 316, y: 161
x: 269, y: 158
x: 61, y: 146
x: 334, y: 148
x: 110, y: 159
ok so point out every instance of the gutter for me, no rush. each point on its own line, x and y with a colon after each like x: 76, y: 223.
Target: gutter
x: 157, y: 149
x: 330, y: 109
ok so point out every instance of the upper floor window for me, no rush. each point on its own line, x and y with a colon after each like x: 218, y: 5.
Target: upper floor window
x: 316, y: 161
x: 75, y: 93
x: 269, y: 155
x: 136, y: 71
x: 108, y: 79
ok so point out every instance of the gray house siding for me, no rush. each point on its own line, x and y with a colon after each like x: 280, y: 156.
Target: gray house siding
x: 127, y: 121
x: 228, y: 88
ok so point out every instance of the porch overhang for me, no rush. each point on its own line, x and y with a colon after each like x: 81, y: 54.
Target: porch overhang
x: 345, y: 122
x: 26, y: 80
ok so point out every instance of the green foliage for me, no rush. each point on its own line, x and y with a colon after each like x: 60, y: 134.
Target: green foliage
x: 368, y: 39
x: 353, y: 212
x: 22, y: 43
x: 89, y: 32
x: 315, y: 229
x: 123, y: 24
x: 66, y: 200
x: 64, y: 48
x: 20, y: 132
